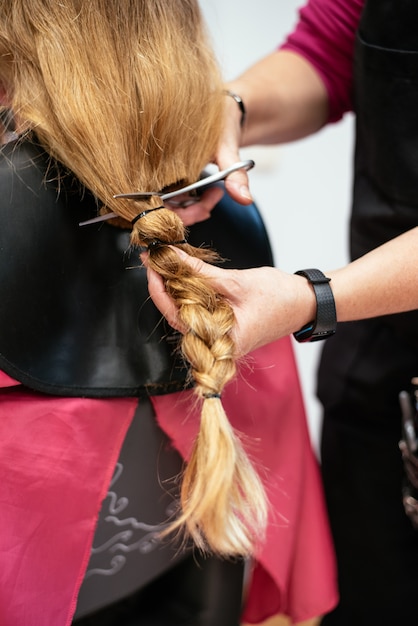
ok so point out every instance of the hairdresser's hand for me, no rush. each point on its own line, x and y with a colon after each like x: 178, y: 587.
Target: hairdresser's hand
x: 199, y: 210
x: 268, y: 303
x: 236, y: 184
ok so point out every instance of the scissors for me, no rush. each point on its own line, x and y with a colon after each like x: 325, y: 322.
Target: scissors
x: 205, y: 181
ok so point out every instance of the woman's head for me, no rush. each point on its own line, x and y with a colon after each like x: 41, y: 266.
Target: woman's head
x: 126, y: 93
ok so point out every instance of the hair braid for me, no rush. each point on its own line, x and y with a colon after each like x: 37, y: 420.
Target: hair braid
x: 222, y: 499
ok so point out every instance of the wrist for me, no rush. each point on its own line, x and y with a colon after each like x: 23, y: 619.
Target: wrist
x: 245, y: 92
x: 239, y: 102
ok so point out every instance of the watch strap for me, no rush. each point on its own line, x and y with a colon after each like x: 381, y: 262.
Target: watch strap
x: 325, y: 322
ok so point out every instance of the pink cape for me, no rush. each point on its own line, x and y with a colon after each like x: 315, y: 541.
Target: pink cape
x: 57, y: 456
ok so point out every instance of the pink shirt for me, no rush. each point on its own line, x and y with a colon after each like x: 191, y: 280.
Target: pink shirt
x: 325, y: 36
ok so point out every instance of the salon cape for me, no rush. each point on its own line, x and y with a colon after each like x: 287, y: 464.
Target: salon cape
x: 57, y: 457
x: 81, y: 336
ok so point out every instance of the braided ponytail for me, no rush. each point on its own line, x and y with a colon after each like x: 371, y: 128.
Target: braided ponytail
x: 222, y: 499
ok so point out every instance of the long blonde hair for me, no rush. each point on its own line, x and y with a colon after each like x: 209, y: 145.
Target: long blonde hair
x: 128, y: 96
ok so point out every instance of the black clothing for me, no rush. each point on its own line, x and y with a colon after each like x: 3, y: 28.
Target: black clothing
x: 365, y: 366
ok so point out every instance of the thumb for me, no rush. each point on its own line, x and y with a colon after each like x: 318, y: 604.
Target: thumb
x: 215, y: 274
x: 164, y: 303
x: 236, y: 184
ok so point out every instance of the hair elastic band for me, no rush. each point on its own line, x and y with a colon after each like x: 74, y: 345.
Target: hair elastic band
x: 144, y: 213
x: 208, y: 396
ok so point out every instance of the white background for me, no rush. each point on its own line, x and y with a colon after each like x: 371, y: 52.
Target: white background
x: 302, y: 189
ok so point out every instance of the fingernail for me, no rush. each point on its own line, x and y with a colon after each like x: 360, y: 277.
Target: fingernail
x: 245, y: 192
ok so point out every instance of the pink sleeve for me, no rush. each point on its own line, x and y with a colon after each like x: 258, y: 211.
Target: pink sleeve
x: 324, y: 36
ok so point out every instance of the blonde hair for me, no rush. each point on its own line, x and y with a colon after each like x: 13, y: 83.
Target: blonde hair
x: 127, y: 95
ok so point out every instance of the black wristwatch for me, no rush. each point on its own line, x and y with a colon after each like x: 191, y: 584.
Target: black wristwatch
x: 325, y: 323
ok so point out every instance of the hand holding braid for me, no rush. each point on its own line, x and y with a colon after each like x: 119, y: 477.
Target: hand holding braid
x: 222, y: 499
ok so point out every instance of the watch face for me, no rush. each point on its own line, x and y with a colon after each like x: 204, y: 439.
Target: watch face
x: 305, y: 333
x: 324, y: 335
